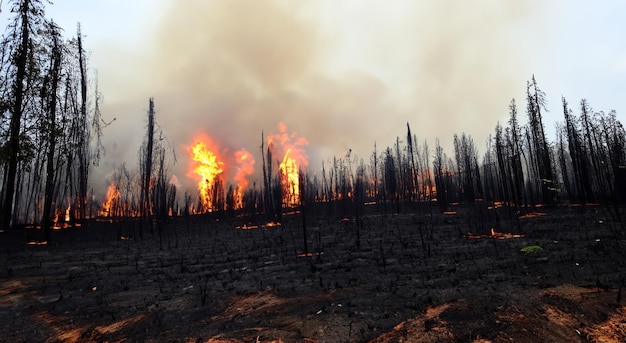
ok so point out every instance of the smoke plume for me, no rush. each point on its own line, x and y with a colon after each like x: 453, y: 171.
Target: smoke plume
x: 344, y: 75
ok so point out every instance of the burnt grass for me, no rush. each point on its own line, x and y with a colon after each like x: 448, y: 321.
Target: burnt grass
x: 417, y: 276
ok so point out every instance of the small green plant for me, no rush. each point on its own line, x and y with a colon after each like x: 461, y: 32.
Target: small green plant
x: 531, y: 249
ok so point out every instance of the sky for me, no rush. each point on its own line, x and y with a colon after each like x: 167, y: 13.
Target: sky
x: 343, y: 74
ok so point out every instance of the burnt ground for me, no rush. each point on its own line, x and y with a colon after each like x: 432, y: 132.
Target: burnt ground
x: 416, y: 277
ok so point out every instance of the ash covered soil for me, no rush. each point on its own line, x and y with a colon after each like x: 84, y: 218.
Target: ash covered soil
x: 549, y: 275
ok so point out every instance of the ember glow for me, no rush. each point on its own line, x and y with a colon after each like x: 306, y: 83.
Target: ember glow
x: 62, y: 218
x: 494, y: 234
x: 208, y: 168
x: 291, y: 147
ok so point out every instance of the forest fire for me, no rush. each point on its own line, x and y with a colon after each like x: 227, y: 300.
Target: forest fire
x: 223, y: 178
x: 111, y: 201
x: 209, y: 168
x: 290, y: 179
x: 62, y: 218
x: 291, y: 147
x: 245, y: 168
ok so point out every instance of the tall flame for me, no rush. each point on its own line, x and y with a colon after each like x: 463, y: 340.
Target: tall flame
x: 290, y: 179
x: 291, y: 146
x: 111, y: 201
x: 245, y: 168
x: 209, y: 168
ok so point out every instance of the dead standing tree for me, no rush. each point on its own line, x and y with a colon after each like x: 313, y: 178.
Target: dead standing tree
x: 538, y: 143
x: 303, y: 208
x: 84, y: 154
x: 268, y: 198
x: 157, y: 197
x: 18, y: 49
x: 146, y: 172
x: 51, y: 82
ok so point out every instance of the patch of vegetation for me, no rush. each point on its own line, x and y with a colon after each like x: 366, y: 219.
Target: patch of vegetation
x: 531, y: 249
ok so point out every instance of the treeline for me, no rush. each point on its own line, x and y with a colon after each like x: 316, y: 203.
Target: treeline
x: 50, y: 124
x: 50, y: 130
x: 520, y: 167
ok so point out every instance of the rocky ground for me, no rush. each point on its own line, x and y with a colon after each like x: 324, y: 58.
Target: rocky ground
x: 549, y: 275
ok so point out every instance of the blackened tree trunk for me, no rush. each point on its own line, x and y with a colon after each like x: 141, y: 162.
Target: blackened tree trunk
x: 303, y: 208
x: 616, y: 141
x: 18, y: 90
x: 413, y: 171
x: 440, y: 183
x: 502, y: 161
x: 457, y: 158
x: 517, y: 153
x: 594, y: 149
x: 536, y: 102
x: 391, y: 182
x: 564, y: 165
x: 83, y: 143
x: 52, y: 83
x: 147, y: 169
x: 578, y: 155
x: 427, y: 183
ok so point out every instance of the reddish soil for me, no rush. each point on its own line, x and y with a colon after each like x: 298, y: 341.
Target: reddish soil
x: 414, y: 278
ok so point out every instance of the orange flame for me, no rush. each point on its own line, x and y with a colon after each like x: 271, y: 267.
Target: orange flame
x: 111, y: 201
x: 291, y: 146
x: 209, y: 168
x: 290, y: 179
x: 61, y: 218
x: 245, y: 168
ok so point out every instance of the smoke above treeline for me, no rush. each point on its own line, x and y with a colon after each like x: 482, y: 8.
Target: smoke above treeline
x: 343, y: 75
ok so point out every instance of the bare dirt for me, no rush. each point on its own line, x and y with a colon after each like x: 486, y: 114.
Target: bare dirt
x: 557, y: 275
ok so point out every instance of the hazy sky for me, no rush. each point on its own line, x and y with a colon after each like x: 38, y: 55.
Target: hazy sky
x: 342, y: 74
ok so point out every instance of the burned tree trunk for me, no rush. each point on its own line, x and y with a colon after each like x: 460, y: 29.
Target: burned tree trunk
x: 147, y: 170
x: 539, y: 143
x: 302, y: 187
x: 83, y: 146
x: 51, y: 100
x: 18, y: 90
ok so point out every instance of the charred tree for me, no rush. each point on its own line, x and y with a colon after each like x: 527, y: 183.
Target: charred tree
x: 146, y: 171
x: 615, y: 138
x: 230, y: 202
x: 51, y: 82
x: 513, y: 142
x: 391, y: 182
x: 440, y: 182
x: 27, y: 19
x: 374, y: 170
x: 359, y: 201
x: 578, y: 156
x: 269, y: 203
x: 413, y: 171
x: 538, y: 143
x: 459, y: 163
x: 303, y: 209
x: 427, y: 183
x: 83, y: 137
x: 502, y: 158
x: 465, y: 154
x: 596, y: 156
x: 564, y: 163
